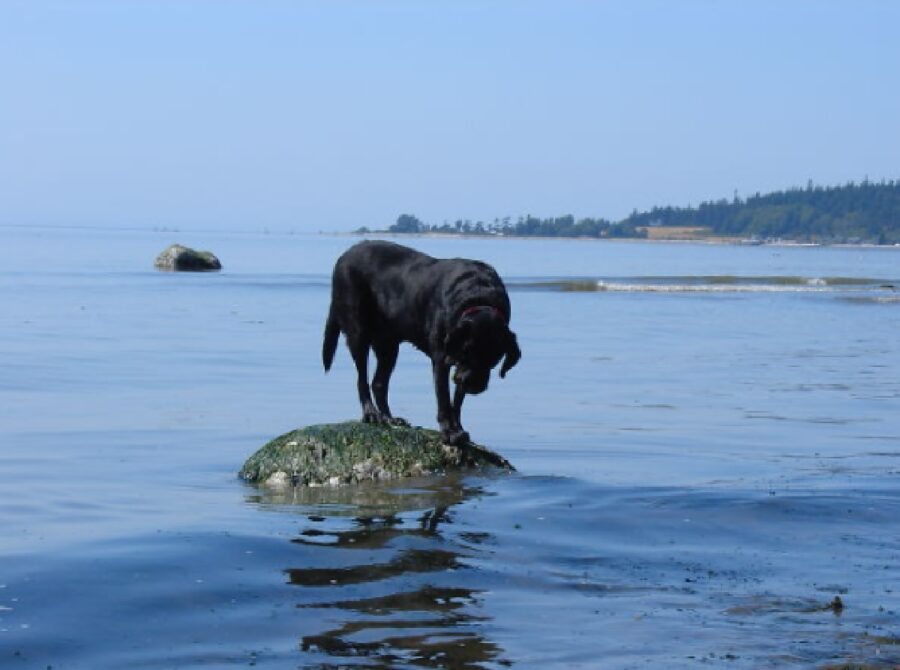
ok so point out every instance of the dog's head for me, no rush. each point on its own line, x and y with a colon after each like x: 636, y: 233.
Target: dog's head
x: 476, y: 344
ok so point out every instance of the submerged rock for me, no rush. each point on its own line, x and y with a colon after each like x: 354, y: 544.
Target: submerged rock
x: 178, y: 258
x: 352, y: 452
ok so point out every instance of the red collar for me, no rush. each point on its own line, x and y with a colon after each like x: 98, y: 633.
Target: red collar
x: 477, y: 308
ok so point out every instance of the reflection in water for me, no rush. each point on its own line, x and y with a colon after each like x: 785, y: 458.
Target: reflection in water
x: 407, y: 562
x: 429, y: 627
x: 378, y: 557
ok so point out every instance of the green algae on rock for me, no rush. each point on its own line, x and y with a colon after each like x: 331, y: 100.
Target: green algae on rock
x: 178, y: 258
x: 352, y: 452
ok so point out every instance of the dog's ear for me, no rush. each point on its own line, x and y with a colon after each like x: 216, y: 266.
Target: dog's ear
x: 455, y: 338
x: 513, y: 354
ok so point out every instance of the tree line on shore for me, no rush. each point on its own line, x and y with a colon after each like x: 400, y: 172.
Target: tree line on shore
x: 865, y: 212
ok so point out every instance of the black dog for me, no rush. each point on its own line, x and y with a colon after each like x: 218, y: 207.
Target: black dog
x: 454, y: 310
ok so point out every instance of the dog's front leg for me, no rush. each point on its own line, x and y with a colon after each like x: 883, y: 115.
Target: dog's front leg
x: 447, y: 417
x: 459, y: 395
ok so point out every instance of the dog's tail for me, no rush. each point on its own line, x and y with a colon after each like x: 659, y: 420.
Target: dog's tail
x: 330, y: 341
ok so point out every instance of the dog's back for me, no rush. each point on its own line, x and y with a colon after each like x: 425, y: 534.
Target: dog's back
x: 358, y: 270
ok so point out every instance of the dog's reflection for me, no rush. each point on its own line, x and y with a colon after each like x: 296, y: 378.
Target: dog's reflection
x: 386, y: 578
x: 432, y: 627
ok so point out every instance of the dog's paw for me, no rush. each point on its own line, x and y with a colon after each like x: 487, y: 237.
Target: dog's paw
x: 372, y: 417
x: 397, y: 421
x: 456, y: 438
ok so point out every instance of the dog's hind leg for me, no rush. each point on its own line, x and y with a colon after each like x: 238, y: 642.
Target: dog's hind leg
x: 386, y: 355
x: 359, y: 350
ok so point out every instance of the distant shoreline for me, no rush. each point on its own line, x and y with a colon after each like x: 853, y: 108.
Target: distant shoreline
x: 854, y: 214
x: 175, y: 231
x: 711, y: 241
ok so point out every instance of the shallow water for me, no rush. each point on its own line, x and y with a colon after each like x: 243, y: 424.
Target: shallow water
x: 707, y: 439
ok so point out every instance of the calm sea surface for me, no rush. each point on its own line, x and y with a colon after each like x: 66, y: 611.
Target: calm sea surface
x: 707, y: 437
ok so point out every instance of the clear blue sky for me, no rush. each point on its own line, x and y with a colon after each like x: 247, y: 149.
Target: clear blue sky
x: 331, y: 115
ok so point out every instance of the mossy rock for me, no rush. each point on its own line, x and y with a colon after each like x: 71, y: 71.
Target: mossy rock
x: 336, y: 454
x: 178, y: 258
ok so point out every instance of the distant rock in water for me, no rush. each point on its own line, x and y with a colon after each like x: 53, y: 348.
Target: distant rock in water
x: 178, y: 258
x: 352, y: 452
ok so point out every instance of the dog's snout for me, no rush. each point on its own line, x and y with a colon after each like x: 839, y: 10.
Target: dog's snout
x: 475, y: 389
x: 473, y: 382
